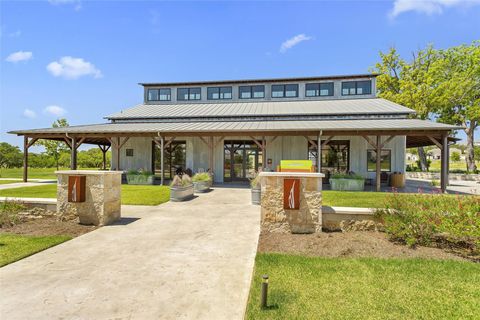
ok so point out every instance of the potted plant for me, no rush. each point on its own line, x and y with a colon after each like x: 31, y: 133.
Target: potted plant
x: 202, y: 182
x: 140, y: 177
x: 347, y: 182
x: 256, y: 190
x: 181, y: 188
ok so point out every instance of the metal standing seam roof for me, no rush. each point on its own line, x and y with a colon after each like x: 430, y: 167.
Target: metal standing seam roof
x: 263, y: 108
x: 245, y: 126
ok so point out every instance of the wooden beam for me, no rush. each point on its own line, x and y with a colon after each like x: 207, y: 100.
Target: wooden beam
x: 169, y: 141
x: 162, y: 160
x: 437, y: 143
x: 370, y: 141
x: 32, y: 142
x: 73, y: 154
x: 378, y: 168
x: 313, y: 143
x: 123, y: 143
x: 273, y: 139
x: 264, y: 152
x: 319, y: 152
x: 324, y: 143
x: 79, y: 143
x: 67, y: 141
x: 219, y: 141
x: 387, y: 141
x: 205, y: 141
x: 211, y: 155
x: 260, y: 145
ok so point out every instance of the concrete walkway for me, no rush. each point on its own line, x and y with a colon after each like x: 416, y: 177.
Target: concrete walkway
x: 25, y: 184
x: 190, y: 260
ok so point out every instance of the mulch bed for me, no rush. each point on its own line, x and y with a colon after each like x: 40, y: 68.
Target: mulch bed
x: 355, y: 244
x: 49, y: 226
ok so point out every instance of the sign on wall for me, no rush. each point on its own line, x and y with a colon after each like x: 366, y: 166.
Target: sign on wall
x: 291, y: 194
x: 76, y: 188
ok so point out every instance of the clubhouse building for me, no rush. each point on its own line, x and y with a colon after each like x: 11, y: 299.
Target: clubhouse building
x: 236, y: 128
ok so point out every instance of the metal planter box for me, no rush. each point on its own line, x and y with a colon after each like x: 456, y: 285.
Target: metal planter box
x: 201, y: 186
x: 140, y: 179
x: 347, y: 184
x: 181, y: 193
x: 256, y: 196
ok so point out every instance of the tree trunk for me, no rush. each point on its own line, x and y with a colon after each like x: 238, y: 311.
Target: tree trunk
x: 422, y: 157
x: 469, y: 151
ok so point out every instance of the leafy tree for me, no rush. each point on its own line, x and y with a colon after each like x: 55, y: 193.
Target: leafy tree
x: 10, y: 156
x: 55, y: 148
x: 410, y: 84
x: 92, y: 158
x: 455, y: 156
x: 477, y: 153
x: 458, y: 92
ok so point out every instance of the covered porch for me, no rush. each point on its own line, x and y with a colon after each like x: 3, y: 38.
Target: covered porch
x: 212, y: 134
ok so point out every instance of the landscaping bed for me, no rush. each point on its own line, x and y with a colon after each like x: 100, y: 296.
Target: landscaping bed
x: 355, y: 244
x: 25, y: 232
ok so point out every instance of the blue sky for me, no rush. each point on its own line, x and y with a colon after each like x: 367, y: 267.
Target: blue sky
x: 83, y: 59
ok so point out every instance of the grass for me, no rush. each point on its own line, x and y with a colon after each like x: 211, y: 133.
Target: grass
x: 360, y: 199
x: 131, y: 194
x: 34, y: 173
x: 454, y: 165
x: 9, y: 181
x: 327, y: 288
x: 15, y: 247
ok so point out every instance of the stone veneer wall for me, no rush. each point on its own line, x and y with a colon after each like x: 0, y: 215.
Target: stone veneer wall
x: 275, y: 218
x: 102, y: 197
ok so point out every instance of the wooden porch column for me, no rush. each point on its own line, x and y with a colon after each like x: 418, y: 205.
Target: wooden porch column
x: 444, y: 163
x: 378, y: 163
x: 211, y: 155
x: 162, y: 147
x: 73, y: 154
x: 319, y: 152
x: 25, y: 158
x: 264, y: 153
x: 104, y: 152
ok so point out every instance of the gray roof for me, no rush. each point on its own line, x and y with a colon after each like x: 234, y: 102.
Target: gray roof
x: 372, y: 106
x: 245, y: 126
x: 211, y: 82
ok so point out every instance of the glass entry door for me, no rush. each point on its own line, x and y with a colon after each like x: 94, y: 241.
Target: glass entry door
x: 241, y: 160
x: 174, y: 157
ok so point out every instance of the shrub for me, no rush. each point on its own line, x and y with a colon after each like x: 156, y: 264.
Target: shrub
x: 255, y: 182
x: 204, y: 176
x: 182, y: 181
x: 443, y: 220
x: 9, y: 213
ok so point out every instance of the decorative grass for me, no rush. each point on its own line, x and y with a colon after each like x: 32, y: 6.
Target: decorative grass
x: 15, y: 247
x: 328, y: 288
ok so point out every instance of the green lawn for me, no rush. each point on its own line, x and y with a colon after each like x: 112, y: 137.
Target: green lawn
x: 353, y: 198
x: 15, y: 247
x: 34, y: 173
x: 327, y: 288
x: 137, y: 195
x: 9, y: 181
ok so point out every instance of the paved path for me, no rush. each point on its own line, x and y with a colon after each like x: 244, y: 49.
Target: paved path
x: 190, y: 260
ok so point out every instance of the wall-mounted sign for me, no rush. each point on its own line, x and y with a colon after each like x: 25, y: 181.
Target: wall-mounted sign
x: 296, y: 166
x: 291, y: 194
x: 76, y: 188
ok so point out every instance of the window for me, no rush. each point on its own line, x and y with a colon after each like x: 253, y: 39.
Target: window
x: 385, y: 160
x: 356, y: 87
x: 335, y: 156
x: 184, y: 94
x: 219, y: 93
x: 129, y: 152
x: 284, y: 90
x: 249, y: 92
x: 159, y: 94
x: 319, y: 89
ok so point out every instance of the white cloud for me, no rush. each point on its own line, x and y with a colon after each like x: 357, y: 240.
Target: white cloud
x: 15, y: 34
x: 30, y: 114
x: 19, y: 56
x: 77, y: 3
x: 290, y: 43
x: 429, y: 7
x: 55, y: 111
x: 73, y: 68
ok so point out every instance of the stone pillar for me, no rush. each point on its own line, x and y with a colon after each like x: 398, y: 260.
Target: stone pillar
x: 102, y: 196
x: 277, y: 214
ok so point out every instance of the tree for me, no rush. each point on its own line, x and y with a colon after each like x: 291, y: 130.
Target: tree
x: 458, y: 87
x: 10, y: 156
x: 410, y: 84
x: 55, y: 148
x: 455, y: 156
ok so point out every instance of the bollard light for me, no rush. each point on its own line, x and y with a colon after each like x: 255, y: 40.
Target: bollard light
x: 264, y: 295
